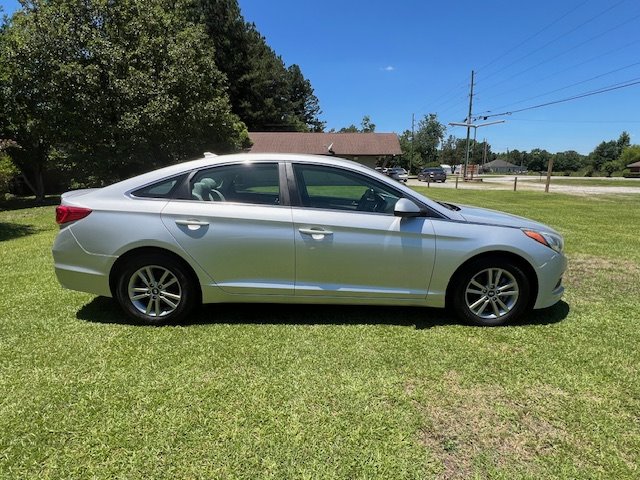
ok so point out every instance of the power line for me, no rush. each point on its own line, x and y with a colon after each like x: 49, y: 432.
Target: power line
x: 451, y: 95
x: 569, y: 86
x: 570, y: 67
x: 457, y: 103
x: 598, y: 15
x: 565, y: 52
x: 533, y: 36
x: 539, y: 120
x: 628, y: 83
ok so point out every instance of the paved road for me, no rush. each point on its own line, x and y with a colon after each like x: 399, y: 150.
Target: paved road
x: 534, y: 183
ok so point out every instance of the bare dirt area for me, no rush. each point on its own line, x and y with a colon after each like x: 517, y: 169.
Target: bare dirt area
x: 532, y: 183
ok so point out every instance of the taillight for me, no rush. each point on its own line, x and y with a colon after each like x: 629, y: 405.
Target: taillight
x: 66, y: 214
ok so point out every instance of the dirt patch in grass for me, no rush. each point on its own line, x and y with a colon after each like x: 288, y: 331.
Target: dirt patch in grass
x: 590, y: 271
x: 470, y: 429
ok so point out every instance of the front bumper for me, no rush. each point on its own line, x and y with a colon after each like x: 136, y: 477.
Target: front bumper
x: 550, y: 288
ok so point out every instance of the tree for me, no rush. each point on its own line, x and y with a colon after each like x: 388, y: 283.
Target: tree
x: 569, y: 161
x: 631, y: 154
x: 538, y: 160
x: 609, y: 152
x: 477, y: 152
x: 628, y: 154
x: 610, y: 167
x: 517, y: 157
x: 410, y: 158
x: 366, y: 126
x: 8, y: 170
x: 448, y: 154
x: 34, y: 94
x: 146, y: 90
x: 603, y: 153
x: 624, y: 140
x: 453, y: 151
x: 263, y: 92
x: 306, y: 107
x: 428, y: 136
x: 422, y: 149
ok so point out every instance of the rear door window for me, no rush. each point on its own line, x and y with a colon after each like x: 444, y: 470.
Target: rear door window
x: 251, y: 183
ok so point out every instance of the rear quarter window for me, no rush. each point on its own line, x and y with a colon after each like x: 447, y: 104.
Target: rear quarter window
x: 162, y: 189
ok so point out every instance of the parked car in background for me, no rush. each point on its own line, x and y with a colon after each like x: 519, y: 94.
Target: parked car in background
x: 276, y: 228
x: 432, y: 174
x: 448, y: 169
x: 398, y: 173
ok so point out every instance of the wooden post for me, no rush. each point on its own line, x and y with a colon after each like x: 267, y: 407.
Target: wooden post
x: 515, y: 184
x: 457, y: 182
x: 549, y: 170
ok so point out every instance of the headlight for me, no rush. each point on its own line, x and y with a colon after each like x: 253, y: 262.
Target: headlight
x: 551, y: 240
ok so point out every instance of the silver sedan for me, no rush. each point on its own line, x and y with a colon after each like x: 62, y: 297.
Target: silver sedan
x: 298, y: 229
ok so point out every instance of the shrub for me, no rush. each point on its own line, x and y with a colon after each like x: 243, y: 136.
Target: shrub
x: 8, y: 172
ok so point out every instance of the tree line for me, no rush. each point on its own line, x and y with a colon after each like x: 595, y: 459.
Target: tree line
x: 92, y: 91
x: 427, y: 146
x: 607, y: 158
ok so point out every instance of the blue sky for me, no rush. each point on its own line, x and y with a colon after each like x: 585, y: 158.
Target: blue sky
x: 390, y: 60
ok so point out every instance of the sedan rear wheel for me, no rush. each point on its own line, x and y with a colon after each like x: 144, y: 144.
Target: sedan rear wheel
x: 155, y: 290
x: 491, y: 292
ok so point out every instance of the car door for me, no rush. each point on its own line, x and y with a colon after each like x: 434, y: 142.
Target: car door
x: 348, y: 243
x: 237, y: 227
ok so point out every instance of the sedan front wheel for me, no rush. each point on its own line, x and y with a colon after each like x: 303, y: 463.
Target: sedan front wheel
x: 491, y: 292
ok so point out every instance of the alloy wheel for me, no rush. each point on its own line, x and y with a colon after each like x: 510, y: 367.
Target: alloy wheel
x: 154, y: 291
x: 492, y: 293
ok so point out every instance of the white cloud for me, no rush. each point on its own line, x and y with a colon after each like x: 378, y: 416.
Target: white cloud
x: 389, y: 68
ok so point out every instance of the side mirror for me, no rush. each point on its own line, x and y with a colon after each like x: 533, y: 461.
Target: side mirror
x: 406, y: 208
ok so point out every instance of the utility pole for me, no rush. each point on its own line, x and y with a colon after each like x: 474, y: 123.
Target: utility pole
x: 484, y: 155
x: 413, y: 121
x: 468, y: 121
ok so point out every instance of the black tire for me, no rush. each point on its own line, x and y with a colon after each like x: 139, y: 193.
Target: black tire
x: 495, y: 303
x: 157, y: 304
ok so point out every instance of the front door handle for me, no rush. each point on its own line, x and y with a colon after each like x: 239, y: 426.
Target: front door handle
x: 316, y: 233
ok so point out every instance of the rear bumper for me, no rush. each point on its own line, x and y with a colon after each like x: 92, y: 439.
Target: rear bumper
x: 76, y: 269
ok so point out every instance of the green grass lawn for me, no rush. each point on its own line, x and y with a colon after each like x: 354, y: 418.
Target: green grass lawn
x: 328, y: 392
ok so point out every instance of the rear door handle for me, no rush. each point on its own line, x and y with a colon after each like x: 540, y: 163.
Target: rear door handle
x: 316, y: 233
x: 192, y: 223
